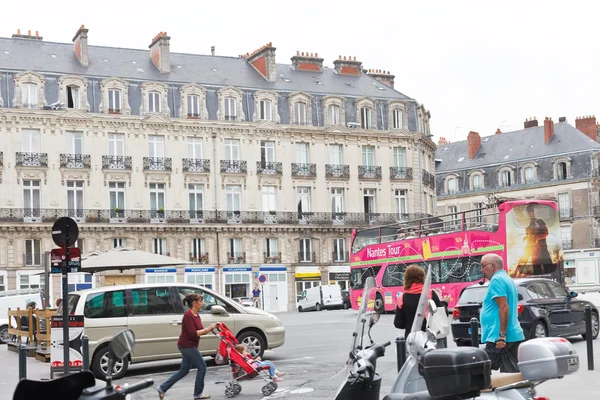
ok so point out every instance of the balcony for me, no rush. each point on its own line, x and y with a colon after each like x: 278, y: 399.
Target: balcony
x: 340, y: 256
x: 201, y: 258
x: 195, y: 165
x: 567, y: 244
x: 269, y: 168
x: 272, y: 258
x: 369, y: 172
x: 75, y: 161
x: 231, y: 118
x: 158, y: 164
x: 400, y: 173
x: 565, y: 213
x: 334, y: 171
x: 306, y: 257
x: 304, y: 170
x: 116, y: 163
x: 428, y: 178
x: 234, y: 166
x: 31, y: 160
x: 236, y: 258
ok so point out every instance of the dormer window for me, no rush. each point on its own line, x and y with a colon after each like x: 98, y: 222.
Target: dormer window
x: 29, y: 90
x: 364, y: 110
x: 334, y: 107
x: 155, y: 97
x: 452, y: 185
x: 193, y: 106
x: 477, y: 181
x: 114, y: 101
x: 29, y: 95
x: 397, y: 119
x: 230, y: 109
x: 193, y: 102
x: 73, y: 100
x: 365, y: 118
x: 561, y: 170
x: 230, y: 105
x: 529, y: 175
x: 266, y: 110
x: 333, y: 114
x: 300, y: 109
x: 114, y: 96
x: 74, y: 92
x: 266, y: 106
x: 300, y: 113
x: 154, y: 102
x: 506, y: 178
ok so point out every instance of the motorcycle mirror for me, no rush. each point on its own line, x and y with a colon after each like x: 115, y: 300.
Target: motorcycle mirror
x: 432, y: 307
x: 122, y: 344
x: 374, y: 319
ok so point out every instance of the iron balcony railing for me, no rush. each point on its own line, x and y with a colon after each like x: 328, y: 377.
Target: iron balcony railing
x: 99, y: 216
x: 201, y: 258
x: 269, y: 168
x: 75, y: 161
x: 567, y: 244
x: 117, y: 162
x: 158, y: 164
x: 272, y: 257
x: 340, y: 256
x: 236, y: 258
x: 565, y: 212
x: 299, y: 169
x: 369, y: 172
x: 337, y: 171
x: 428, y: 178
x: 196, y: 165
x: 400, y: 173
x: 306, y: 256
x: 234, y: 166
x: 31, y: 159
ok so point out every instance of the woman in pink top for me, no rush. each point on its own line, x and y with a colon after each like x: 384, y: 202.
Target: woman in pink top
x: 191, y: 330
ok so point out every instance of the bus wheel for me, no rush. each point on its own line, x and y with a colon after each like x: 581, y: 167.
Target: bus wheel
x: 379, y: 307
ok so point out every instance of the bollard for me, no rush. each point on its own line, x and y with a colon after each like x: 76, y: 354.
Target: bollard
x: 22, y: 362
x: 86, y: 352
x: 400, y: 352
x: 588, y: 337
x: 474, y: 332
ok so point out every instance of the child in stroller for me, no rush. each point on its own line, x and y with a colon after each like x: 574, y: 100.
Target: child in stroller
x: 242, y: 368
x: 277, y: 376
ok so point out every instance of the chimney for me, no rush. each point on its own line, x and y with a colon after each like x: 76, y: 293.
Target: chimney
x: 587, y: 125
x: 347, y: 66
x: 530, y: 123
x: 212, y: 50
x: 80, y: 42
x: 307, y: 62
x: 498, y: 131
x: 548, y: 129
x: 382, y: 76
x: 28, y: 36
x: 442, y: 141
x: 474, y: 141
x: 263, y: 60
x: 159, y: 52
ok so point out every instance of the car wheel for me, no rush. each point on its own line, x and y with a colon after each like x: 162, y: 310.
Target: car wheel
x: 379, y: 307
x: 100, y: 365
x: 254, y: 341
x: 318, y: 307
x: 595, y: 326
x: 299, y: 309
x: 539, y: 330
x: 4, y: 337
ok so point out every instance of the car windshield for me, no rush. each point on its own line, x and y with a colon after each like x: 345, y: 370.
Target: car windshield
x: 473, y: 294
x: 73, y: 300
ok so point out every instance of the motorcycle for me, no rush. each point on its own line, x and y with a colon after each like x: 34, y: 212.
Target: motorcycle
x: 82, y: 385
x: 447, y: 374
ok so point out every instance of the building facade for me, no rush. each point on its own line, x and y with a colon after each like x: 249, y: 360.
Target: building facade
x: 553, y: 161
x: 241, y: 165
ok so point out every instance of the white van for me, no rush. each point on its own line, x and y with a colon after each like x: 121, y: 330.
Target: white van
x: 14, y: 299
x: 321, y: 297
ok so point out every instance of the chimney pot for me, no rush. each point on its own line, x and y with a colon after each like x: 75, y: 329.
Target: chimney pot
x: 160, y: 53
x: 18, y: 31
x: 548, y: 130
x: 317, y: 55
x: 498, y: 131
x: 587, y: 125
x: 80, y: 45
x: 473, y: 142
x: 29, y: 32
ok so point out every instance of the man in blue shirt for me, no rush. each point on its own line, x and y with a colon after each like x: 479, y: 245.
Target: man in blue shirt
x: 500, y: 327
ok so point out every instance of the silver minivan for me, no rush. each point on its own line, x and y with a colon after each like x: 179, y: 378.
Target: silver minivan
x: 154, y: 313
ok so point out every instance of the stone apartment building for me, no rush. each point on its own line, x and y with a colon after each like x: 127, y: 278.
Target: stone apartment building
x: 550, y: 161
x: 242, y: 165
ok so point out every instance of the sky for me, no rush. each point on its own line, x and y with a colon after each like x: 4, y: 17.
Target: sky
x: 476, y: 66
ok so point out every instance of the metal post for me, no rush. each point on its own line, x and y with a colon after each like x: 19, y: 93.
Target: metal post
x: 22, y: 362
x: 474, y: 332
x: 400, y: 352
x: 588, y: 337
x: 47, y: 284
x: 65, y: 301
x: 86, y: 352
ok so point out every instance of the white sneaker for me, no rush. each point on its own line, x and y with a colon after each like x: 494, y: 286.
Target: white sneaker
x: 280, y: 374
x: 277, y: 379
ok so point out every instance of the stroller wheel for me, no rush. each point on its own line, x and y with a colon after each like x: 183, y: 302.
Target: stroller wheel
x: 229, y: 392
x: 267, y: 390
x: 274, y: 386
x: 237, y: 388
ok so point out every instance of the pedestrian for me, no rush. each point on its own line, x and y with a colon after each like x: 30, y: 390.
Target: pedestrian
x: 407, y: 302
x: 256, y: 296
x: 500, y: 328
x: 191, y: 330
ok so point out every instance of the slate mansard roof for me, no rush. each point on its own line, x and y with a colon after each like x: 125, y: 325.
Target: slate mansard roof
x: 525, y: 144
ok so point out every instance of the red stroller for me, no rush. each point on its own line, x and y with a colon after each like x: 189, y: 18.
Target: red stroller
x: 241, y: 369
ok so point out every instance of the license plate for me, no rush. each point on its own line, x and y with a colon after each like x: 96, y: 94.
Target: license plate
x: 572, y: 364
x: 470, y: 330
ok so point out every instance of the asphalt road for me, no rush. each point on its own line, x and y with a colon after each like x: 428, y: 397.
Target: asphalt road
x: 314, y: 356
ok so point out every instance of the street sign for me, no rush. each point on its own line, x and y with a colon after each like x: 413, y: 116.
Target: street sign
x: 262, y: 278
x: 57, y: 256
x: 62, y: 228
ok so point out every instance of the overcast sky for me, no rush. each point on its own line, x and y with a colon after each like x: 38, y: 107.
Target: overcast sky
x: 474, y: 65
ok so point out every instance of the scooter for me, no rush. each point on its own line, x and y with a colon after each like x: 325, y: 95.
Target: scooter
x: 448, y: 374
x: 82, y: 385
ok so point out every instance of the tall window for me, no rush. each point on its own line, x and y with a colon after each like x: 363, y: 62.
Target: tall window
x: 269, y: 198
x: 305, y: 250
x: 529, y: 175
x: 401, y: 203
x: 31, y: 198
x: 230, y: 108
x: 156, y: 146
x: 114, y: 101
x: 266, y: 110
x: 368, y: 156
x: 369, y: 201
x: 477, y: 182
x: 235, y: 248
x: 195, y: 148
x: 154, y: 102
x: 73, y: 99
x: 300, y: 113
x: 397, y: 119
x: 198, y: 249
x: 365, y: 118
x: 267, y: 151
x: 234, y: 198
x: 232, y: 149
x: 303, y: 199
x: 339, y: 250
x: 337, y: 200
x: 33, y: 252
x: 157, y: 197
x: 302, y: 153
x: 29, y: 95
x: 271, y: 247
x: 75, y: 198
x: 118, y: 242
x: 399, y: 159
x: 454, y: 218
x: 333, y: 114
x: 116, y: 144
x: 566, y: 236
x: 75, y: 142
x: 31, y: 141
x: 335, y: 154
x: 478, y: 213
x: 506, y: 178
x: 561, y: 170
x: 159, y: 246
x: 117, y: 196
x: 564, y: 205
x: 196, y: 198
x: 193, y: 106
x: 452, y: 185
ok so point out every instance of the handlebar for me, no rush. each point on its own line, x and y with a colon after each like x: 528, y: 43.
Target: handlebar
x: 136, y: 387
x: 378, y: 351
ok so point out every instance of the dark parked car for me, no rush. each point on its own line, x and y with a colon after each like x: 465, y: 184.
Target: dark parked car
x: 546, y: 308
x: 346, y: 300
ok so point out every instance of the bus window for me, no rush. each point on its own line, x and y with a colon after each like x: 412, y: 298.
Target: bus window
x: 358, y: 276
x: 365, y: 238
x: 393, y: 275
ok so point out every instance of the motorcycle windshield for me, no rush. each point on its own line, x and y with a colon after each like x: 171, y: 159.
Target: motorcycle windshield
x: 422, y: 307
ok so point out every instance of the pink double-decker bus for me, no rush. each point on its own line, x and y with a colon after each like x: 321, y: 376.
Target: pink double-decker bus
x: 525, y: 233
